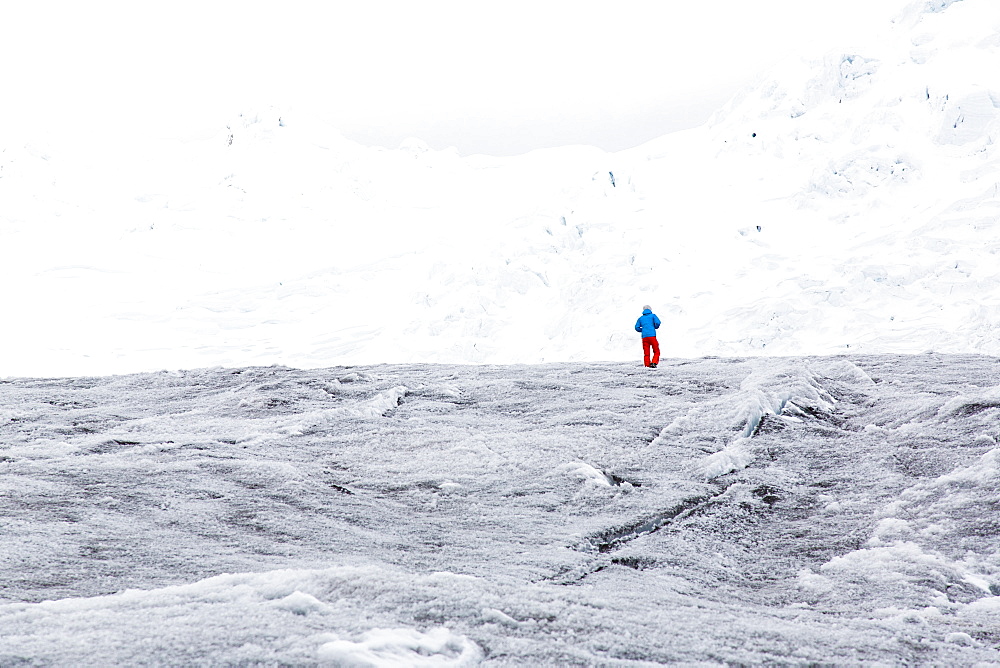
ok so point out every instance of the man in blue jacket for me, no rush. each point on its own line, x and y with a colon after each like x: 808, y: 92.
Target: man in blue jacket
x: 647, y: 324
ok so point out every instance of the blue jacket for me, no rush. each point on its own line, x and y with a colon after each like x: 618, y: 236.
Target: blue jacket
x: 647, y: 323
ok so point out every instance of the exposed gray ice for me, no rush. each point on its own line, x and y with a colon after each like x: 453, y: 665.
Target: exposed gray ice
x: 789, y: 511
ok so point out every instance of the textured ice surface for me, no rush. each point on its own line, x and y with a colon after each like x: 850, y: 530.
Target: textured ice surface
x: 505, y: 515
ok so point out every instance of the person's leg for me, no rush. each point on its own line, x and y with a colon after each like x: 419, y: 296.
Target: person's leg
x: 656, y: 350
x: 646, y: 344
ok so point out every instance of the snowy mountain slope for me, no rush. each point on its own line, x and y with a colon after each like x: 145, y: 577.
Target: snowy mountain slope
x: 845, y: 203
x: 509, y: 515
x: 873, y: 176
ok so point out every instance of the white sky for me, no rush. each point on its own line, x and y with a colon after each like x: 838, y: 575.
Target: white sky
x: 491, y: 77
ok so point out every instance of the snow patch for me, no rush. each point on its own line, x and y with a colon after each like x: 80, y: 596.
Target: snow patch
x: 585, y: 473
x: 403, y: 647
x: 300, y: 603
x: 734, y: 457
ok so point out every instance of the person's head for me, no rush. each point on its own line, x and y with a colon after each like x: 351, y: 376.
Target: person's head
x: 646, y: 308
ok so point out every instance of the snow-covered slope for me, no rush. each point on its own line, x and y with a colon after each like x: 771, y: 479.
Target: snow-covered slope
x: 845, y: 203
x: 873, y: 176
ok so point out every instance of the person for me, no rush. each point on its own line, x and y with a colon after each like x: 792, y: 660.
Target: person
x: 647, y: 324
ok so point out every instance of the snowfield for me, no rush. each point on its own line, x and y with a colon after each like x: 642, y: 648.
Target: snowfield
x: 719, y: 510
x: 848, y: 203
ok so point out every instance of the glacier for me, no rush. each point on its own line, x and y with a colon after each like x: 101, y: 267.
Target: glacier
x: 277, y: 398
x: 505, y: 514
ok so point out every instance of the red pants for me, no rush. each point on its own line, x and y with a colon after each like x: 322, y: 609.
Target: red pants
x: 650, y: 342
